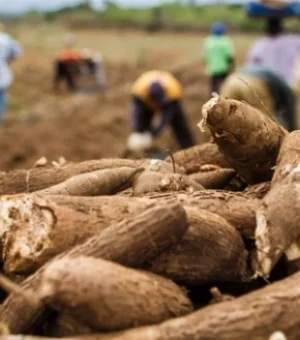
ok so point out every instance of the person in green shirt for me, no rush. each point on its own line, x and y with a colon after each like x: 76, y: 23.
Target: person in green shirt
x: 218, y: 55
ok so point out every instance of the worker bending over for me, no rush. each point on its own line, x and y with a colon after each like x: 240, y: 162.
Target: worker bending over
x: 157, y: 92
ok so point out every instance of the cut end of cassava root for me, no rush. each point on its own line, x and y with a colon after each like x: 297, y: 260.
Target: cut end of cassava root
x: 263, y: 246
x: 205, y: 109
x: 22, y: 215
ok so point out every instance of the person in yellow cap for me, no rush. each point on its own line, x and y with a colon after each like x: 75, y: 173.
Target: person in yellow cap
x: 157, y: 92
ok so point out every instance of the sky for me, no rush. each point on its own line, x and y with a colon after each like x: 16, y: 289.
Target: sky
x: 15, y: 6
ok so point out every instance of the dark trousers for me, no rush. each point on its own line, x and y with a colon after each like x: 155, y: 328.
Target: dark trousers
x: 142, y: 117
x: 284, y: 99
x: 216, y: 81
x: 66, y: 72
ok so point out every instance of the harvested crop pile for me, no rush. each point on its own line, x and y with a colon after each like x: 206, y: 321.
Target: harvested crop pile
x: 117, y: 249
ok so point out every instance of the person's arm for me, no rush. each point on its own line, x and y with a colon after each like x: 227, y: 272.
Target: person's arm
x: 14, y: 52
x: 167, y: 113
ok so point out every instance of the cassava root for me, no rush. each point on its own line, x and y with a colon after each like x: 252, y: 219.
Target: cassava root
x: 122, y: 305
x: 248, y: 138
x: 138, y: 240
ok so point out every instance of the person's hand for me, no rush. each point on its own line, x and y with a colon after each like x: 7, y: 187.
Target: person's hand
x: 140, y: 141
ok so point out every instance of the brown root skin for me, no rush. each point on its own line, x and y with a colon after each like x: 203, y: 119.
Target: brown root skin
x: 248, y: 138
x: 210, y: 251
x: 65, y: 325
x: 11, y: 287
x: 258, y: 191
x: 102, y: 208
x: 139, y: 239
x: 235, y: 207
x: 256, y: 315
x: 4, y: 331
x: 213, y: 179
x: 192, y: 159
x: 122, y: 304
x: 288, y: 158
x: 27, y: 181
x: 31, y: 180
x: 100, y: 182
x: 218, y: 297
x: 32, y: 226
x: 277, y: 225
x: 158, y: 182
x: 292, y: 257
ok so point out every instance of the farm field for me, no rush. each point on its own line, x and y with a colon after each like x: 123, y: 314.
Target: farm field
x: 96, y: 245
x: 79, y: 127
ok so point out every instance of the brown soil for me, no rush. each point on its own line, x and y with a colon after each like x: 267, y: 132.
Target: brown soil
x: 83, y: 126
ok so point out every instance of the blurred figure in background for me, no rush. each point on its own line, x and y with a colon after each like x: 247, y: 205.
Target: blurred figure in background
x: 92, y: 67
x: 271, y: 73
x: 10, y: 50
x: 67, y: 64
x: 277, y: 51
x: 99, y: 71
x: 78, y: 70
x: 219, y: 56
x: 157, y: 92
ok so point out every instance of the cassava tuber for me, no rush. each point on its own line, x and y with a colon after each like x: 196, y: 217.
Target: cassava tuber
x: 34, y: 229
x: 131, y: 242
x: 278, y: 221
x: 95, y: 183
x: 217, y: 178
x: 210, y: 251
x: 108, y: 296
x: 237, y: 208
x: 288, y: 158
x: 31, y: 180
x: 248, y: 138
x: 256, y: 315
x: 158, y: 182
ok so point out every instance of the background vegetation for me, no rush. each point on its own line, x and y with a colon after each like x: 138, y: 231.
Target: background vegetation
x: 168, y: 16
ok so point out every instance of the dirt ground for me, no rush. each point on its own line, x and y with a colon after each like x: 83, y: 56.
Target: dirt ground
x: 83, y: 126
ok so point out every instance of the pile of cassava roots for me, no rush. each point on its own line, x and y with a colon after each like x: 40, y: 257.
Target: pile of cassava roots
x: 204, y: 245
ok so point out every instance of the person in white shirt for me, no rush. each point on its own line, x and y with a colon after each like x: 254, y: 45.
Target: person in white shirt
x: 277, y: 51
x: 270, y: 72
x: 10, y: 49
